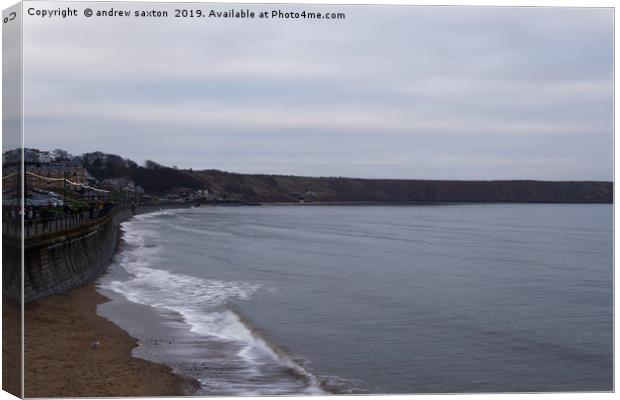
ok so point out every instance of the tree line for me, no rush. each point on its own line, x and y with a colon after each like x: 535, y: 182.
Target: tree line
x: 152, y: 176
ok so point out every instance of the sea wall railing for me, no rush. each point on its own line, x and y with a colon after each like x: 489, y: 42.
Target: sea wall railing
x: 42, y: 226
x: 33, y: 227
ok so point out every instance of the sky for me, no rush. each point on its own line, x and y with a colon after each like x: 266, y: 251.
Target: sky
x: 406, y: 92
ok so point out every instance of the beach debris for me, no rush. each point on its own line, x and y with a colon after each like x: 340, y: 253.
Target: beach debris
x: 95, y: 344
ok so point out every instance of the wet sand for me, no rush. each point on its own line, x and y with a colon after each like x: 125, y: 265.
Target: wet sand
x: 62, y: 362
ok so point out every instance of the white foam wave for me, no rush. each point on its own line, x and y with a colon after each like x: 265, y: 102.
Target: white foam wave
x: 159, y: 213
x: 202, y: 304
x: 152, y: 214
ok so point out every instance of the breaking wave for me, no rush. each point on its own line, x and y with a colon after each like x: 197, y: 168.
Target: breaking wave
x: 246, y: 363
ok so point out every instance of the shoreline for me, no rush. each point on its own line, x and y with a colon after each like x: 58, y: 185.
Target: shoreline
x: 402, y: 203
x: 73, y: 351
x: 61, y: 360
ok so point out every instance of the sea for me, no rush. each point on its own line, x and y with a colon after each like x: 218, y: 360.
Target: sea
x: 371, y: 299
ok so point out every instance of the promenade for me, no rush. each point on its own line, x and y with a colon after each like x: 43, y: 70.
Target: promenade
x: 33, y: 227
x: 36, y: 227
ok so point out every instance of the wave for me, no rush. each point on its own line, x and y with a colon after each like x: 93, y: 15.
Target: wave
x: 159, y: 213
x: 204, y: 304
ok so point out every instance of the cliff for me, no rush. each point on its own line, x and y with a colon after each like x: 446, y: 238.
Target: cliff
x: 281, y: 188
x: 158, y: 179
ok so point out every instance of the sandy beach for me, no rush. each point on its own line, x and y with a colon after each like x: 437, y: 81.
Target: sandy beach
x: 62, y: 362
x: 11, y: 347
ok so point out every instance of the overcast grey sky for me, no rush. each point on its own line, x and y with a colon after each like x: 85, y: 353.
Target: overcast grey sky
x: 390, y: 92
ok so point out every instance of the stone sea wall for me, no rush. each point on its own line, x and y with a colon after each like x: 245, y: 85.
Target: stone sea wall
x: 57, y: 262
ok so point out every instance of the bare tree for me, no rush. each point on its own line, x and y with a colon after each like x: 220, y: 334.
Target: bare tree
x: 61, y: 155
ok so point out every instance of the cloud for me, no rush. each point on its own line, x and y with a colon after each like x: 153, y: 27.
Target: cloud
x: 427, y: 92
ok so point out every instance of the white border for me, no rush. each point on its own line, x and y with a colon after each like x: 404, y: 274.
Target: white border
x: 508, y: 3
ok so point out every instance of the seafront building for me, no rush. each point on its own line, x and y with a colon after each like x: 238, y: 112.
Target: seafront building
x: 51, y: 176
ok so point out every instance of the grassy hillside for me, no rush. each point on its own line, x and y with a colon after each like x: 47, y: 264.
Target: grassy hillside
x: 156, y: 178
x: 279, y: 188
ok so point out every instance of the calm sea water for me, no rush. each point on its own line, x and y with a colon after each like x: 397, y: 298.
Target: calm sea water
x: 371, y: 299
